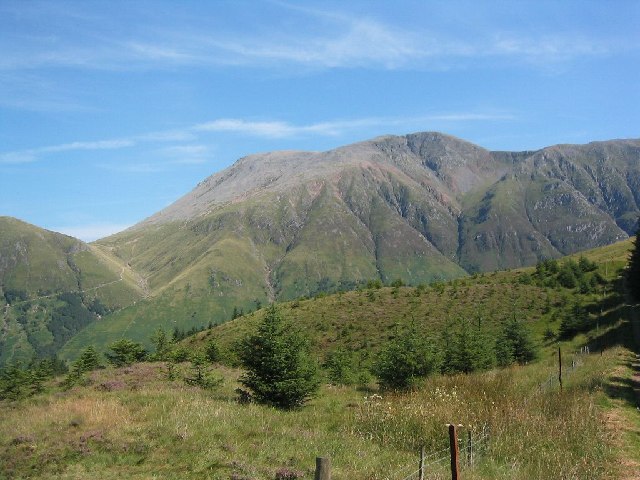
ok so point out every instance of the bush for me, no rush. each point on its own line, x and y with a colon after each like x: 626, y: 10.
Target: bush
x: 179, y: 354
x: 212, y: 352
x: 280, y: 371
x: 340, y: 367
x: 405, y: 359
x: 125, y: 352
x: 514, y: 344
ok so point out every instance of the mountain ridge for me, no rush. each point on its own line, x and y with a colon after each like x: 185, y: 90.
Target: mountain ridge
x: 442, y: 158
x: 420, y: 208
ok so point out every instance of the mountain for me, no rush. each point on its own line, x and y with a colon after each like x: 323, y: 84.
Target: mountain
x: 419, y: 208
x: 52, y: 286
x: 416, y: 207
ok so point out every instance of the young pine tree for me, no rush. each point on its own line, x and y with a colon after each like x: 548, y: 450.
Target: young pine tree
x: 467, y: 349
x: 340, y: 366
x: 633, y: 271
x: 212, y: 352
x: 514, y: 344
x: 279, y: 369
x: 407, y: 358
x: 88, y: 360
x: 125, y: 352
x: 161, y: 344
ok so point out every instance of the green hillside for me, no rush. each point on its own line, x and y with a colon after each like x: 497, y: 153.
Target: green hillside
x: 146, y: 420
x: 362, y: 321
x: 52, y: 286
x: 421, y: 208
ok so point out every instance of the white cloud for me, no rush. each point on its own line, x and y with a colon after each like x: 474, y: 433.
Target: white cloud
x: 144, y: 167
x: 546, y: 48
x: 280, y: 129
x: 274, y: 129
x: 33, y: 154
x: 26, y: 156
x: 189, y: 150
x: 326, y: 40
x: 92, y: 231
x: 357, y: 43
x: 99, y: 145
x: 200, y: 153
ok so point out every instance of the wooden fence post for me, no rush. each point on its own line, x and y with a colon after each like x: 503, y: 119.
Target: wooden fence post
x: 453, y: 445
x: 323, y: 468
x: 560, y: 367
x: 421, y: 469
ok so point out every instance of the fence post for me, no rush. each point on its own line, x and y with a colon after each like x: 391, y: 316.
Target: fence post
x: 323, y: 468
x: 453, y: 445
x: 470, y: 448
x: 421, y: 469
x: 560, y: 367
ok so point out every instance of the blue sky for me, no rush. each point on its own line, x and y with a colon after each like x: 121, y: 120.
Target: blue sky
x: 109, y: 111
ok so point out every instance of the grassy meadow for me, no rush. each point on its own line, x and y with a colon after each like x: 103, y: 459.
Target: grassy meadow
x: 136, y: 423
x: 145, y: 422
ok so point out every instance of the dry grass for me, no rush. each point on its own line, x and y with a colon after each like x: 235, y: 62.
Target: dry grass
x: 134, y: 423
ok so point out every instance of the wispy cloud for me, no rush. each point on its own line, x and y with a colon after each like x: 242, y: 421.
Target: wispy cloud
x: 31, y: 155
x: 99, y: 145
x: 280, y: 129
x: 552, y: 48
x: 321, y: 39
x: 200, y: 153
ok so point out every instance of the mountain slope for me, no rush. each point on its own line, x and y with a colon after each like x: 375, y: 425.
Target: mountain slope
x: 51, y: 286
x: 416, y: 207
x: 419, y: 207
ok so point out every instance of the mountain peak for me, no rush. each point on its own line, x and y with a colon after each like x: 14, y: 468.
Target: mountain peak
x: 442, y: 163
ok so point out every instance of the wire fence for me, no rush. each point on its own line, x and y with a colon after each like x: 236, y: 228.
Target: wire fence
x: 470, y: 444
x: 568, y: 369
x: 474, y: 444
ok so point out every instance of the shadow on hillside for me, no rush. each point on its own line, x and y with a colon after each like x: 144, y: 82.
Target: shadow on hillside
x: 612, y: 326
x: 625, y: 388
x: 612, y: 329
